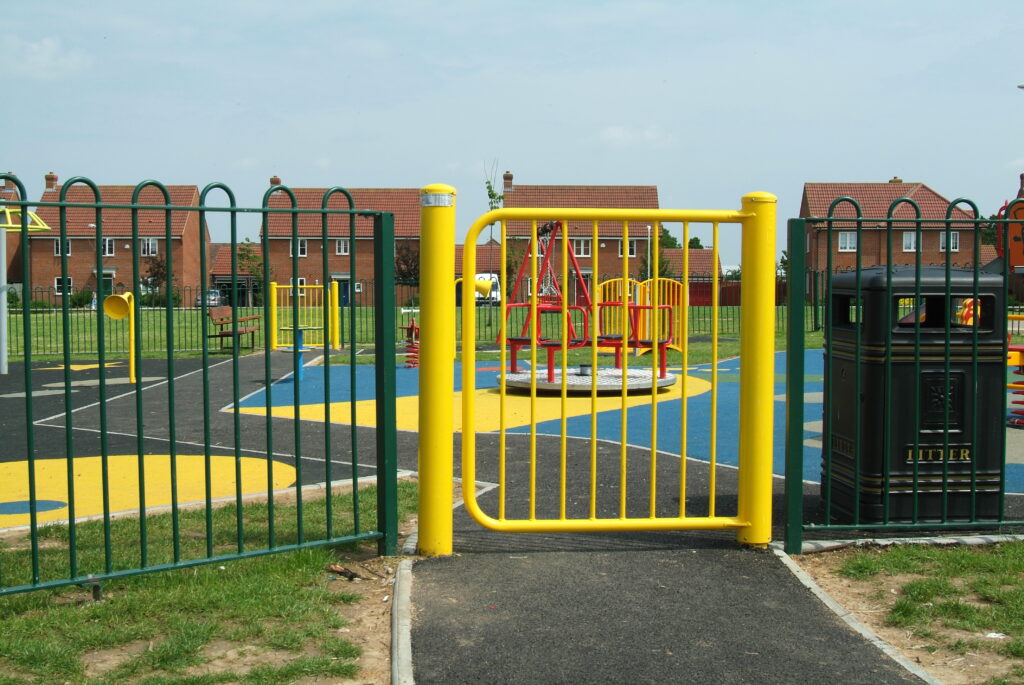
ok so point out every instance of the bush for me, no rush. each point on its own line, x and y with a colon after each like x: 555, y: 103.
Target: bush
x: 13, y: 300
x: 42, y: 304
x: 83, y: 298
x: 159, y: 299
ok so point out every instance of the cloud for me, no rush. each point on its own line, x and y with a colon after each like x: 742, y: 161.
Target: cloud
x: 44, y: 59
x: 651, y: 135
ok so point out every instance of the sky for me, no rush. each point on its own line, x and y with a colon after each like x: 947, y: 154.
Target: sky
x: 706, y: 100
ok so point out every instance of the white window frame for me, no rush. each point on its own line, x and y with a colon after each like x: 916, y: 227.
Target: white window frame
x: 847, y: 241
x: 342, y: 246
x: 303, y: 247
x: 910, y: 241
x: 56, y: 247
x: 954, y: 239
x: 109, y: 247
x: 301, y: 282
x: 582, y: 247
x: 148, y: 247
x: 632, y: 247
x: 58, y: 283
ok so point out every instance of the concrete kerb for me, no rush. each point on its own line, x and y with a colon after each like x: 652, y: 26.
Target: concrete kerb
x: 848, y: 618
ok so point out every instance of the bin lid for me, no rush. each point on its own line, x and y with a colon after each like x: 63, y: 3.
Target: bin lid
x: 903, y: 277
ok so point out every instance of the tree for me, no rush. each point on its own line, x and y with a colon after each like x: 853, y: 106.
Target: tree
x: 667, y: 241
x: 407, y: 264
x: 250, y: 267
x: 783, y: 268
x: 695, y: 243
x: 156, y: 273
x: 664, y: 270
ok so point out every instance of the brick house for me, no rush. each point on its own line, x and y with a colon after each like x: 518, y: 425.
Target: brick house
x: 219, y: 261
x: 350, y: 263
x: 874, y: 200
x: 605, y: 258
x: 115, y: 272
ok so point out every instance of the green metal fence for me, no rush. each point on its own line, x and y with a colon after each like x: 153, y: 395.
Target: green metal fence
x: 913, y: 400
x: 112, y: 478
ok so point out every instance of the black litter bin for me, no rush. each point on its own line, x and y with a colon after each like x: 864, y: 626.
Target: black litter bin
x: 909, y: 463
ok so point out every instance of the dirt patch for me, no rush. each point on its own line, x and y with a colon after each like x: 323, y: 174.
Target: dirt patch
x: 953, y: 656
x: 103, y: 661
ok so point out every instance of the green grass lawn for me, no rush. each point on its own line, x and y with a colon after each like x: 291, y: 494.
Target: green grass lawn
x: 954, y: 598
x: 162, y: 624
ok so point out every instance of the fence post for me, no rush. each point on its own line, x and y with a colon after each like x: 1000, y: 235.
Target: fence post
x: 437, y: 368
x: 757, y: 369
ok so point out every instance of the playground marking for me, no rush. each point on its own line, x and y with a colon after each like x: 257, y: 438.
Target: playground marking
x: 78, y: 367
x: 51, y: 476
x: 93, y: 382
x: 517, y: 408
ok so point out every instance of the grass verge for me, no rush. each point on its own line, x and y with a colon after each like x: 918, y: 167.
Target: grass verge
x: 270, y: 619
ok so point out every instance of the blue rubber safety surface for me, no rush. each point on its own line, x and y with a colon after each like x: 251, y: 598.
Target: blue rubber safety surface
x: 638, y: 419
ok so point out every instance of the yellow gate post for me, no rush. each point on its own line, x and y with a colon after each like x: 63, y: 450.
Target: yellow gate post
x: 757, y: 369
x: 272, y: 333
x: 335, y: 318
x: 437, y: 368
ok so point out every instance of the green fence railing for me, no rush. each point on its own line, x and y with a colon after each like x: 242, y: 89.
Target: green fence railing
x: 911, y: 431
x: 190, y: 464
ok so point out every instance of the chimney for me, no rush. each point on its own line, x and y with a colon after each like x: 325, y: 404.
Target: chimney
x: 275, y: 180
x: 8, y: 188
x: 895, y: 179
x: 507, y: 178
x: 51, y: 181
x: 1020, y: 192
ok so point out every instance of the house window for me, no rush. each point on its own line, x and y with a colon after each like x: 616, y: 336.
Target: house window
x: 108, y: 247
x: 148, y: 247
x: 341, y: 246
x: 581, y: 247
x: 954, y: 241
x: 56, y: 247
x: 909, y: 241
x: 62, y: 286
x: 808, y: 248
x: 632, y: 248
x: 847, y: 241
x: 300, y: 282
x: 302, y: 248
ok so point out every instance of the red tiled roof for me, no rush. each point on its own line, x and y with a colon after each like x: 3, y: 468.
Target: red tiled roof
x: 986, y: 253
x: 221, y: 257
x: 604, y: 197
x: 701, y: 262
x: 403, y: 202
x: 488, y: 257
x: 117, y: 222
x: 875, y: 199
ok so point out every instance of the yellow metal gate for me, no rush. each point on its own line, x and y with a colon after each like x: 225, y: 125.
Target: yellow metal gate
x: 555, y: 345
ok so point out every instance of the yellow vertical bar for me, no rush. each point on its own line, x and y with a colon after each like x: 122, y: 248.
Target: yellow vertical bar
x: 684, y: 328
x: 273, y: 316
x: 757, y: 368
x: 503, y: 370
x: 335, y: 317
x: 534, y: 332
x: 131, y: 337
x: 713, y: 445
x: 565, y: 368
x: 595, y: 260
x: 623, y: 438
x: 437, y: 337
x: 655, y: 300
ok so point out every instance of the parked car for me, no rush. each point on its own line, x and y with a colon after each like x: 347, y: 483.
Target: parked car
x: 213, y: 299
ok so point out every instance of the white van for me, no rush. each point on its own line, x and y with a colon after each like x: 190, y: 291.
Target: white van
x: 494, y: 297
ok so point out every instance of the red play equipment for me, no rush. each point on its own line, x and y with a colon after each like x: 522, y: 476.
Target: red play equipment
x: 546, y: 330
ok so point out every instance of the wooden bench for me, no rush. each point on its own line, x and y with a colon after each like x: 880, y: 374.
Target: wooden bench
x: 221, y: 317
